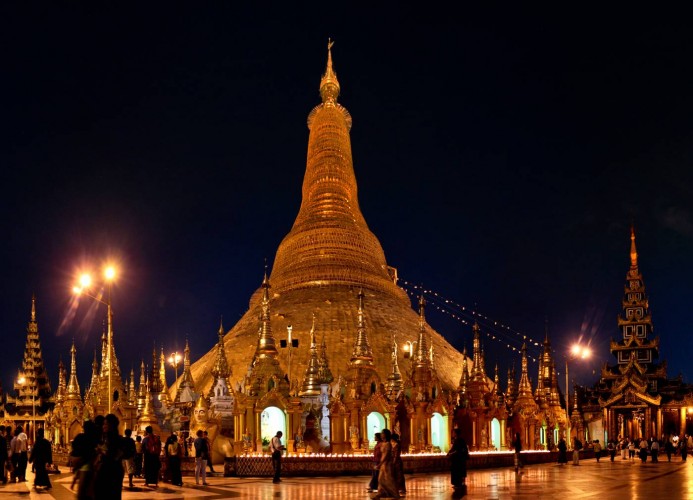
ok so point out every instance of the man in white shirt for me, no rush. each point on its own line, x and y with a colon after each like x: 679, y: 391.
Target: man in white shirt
x: 19, y: 454
x: 276, y: 447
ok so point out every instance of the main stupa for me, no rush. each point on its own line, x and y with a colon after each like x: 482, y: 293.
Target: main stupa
x: 321, y: 265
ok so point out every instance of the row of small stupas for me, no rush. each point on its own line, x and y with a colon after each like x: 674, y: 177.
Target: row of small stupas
x: 633, y: 398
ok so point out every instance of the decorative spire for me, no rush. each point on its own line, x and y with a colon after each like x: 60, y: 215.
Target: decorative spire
x: 311, y: 379
x: 142, y: 388
x: 221, y: 365
x: 186, y: 388
x: 62, y: 386
x: 325, y: 374
x: 525, y: 388
x: 330, y: 243
x: 73, y: 385
x: 329, y: 85
x: 92, y: 395
x: 362, y: 353
x: 422, y: 353
x: 266, y: 345
x: 633, y: 251
x: 35, y: 391
x: 132, y: 392
x: 395, y: 383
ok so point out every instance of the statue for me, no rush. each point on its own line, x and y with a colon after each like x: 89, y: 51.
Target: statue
x: 247, y: 441
x: 354, y: 437
x: 222, y: 446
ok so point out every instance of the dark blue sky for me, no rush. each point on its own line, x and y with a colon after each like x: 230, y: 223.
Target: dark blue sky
x: 501, y: 157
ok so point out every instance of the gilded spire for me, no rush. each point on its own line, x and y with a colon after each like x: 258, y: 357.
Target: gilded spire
x: 633, y: 251
x: 33, y: 308
x: 525, y: 388
x: 325, y: 374
x: 422, y: 353
x: 132, y: 392
x: 60, y: 393
x: 186, y: 388
x: 329, y: 85
x: 164, y: 397
x: 142, y: 388
x: 362, y: 353
x: 394, y: 380
x: 73, y: 385
x: 311, y: 379
x: 330, y: 243
x: 221, y: 365
x: 266, y: 345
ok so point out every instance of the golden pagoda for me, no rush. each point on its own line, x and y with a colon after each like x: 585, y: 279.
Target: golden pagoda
x: 326, y: 268
x: 320, y: 266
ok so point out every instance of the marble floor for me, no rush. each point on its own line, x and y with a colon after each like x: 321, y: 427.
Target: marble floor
x: 620, y: 479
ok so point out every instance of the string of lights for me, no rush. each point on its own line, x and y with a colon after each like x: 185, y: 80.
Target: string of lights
x: 492, y: 329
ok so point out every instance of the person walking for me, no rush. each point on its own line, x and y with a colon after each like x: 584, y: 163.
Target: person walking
x: 175, y: 452
x: 129, y: 450
x: 611, y: 448
x: 82, y: 459
x: 108, y: 466
x: 276, y: 447
x: 201, y: 454
x: 643, y: 450
x: 517, y: 446
x: 577, y: 446
x: 373, y: 484
x: 631, y: 450
x: 398, y: 464
x: 205, y: 435
x: 562, y: 452
x: 4, y: 454
x: 151, y: 445
x: 597, y: 449
x: 41, y: 456
x: 458, y: 455
x: 19, y: 454
x: 139, y: 456
x: 668, y: 449
x: 654, y: 450
x: 684, y: 450
x: 387, y: 486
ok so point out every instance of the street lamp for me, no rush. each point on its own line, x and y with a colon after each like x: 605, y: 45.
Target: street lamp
x: 22, y: 381
x: 290, y: 343
x: 576, y: 352
x: 174, y: 360
x: 85, y: 283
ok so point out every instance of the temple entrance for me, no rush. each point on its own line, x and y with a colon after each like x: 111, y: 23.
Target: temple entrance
x: 272, y: 419
x: 375, y: 422
x: 631, y: 423
x: 495, y: 434
x: 439, y: 432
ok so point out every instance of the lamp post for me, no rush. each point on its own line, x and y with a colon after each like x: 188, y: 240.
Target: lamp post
x: 22, y: 381
x: 84, y: 288
x: 576, y: 352
x: 174, y: 360
x: 290, y: 343
x: 408, y: 347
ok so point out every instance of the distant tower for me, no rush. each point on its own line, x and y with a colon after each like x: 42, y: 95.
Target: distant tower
x: 35, y: 391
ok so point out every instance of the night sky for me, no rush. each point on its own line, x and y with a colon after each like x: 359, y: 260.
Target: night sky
x: 501, y: 157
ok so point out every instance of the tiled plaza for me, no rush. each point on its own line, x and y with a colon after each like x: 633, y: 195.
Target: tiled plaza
x: 620, y: 479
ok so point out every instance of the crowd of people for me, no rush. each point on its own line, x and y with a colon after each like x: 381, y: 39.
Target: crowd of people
x: 652, y: 448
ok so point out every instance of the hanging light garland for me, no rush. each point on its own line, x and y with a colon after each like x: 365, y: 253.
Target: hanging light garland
x: 493, y: 329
